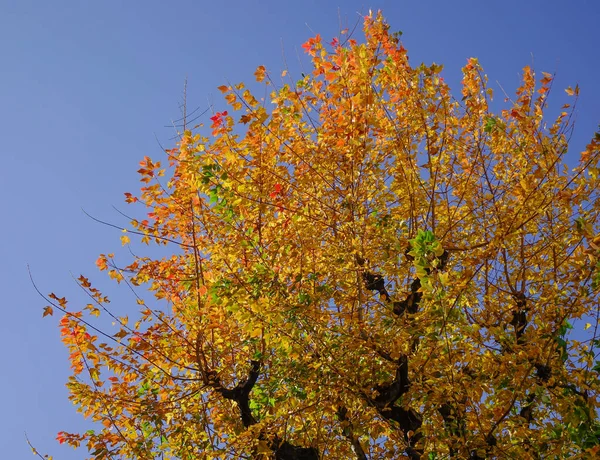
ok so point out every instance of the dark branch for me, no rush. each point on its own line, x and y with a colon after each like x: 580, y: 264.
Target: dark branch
x: 490, y: 443
x: 408, y: 420
x: 519, y: 318
x: 241, y: 393
x: 454, y: 423
x: 390, y: 393
x: 375, y: 282
x: 342, y: 414
x: 287, y: 451
x: 411, y: 303
x: 527, y: 409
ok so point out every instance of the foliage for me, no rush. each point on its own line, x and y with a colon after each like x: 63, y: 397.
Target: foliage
x: 368, y: 269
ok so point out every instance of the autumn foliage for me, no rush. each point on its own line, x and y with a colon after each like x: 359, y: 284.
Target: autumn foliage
x: 363, y: 266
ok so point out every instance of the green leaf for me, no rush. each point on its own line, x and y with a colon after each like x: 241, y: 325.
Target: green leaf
x: 490, y: 124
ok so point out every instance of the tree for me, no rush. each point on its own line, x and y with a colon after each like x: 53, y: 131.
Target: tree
x: 370, y: 269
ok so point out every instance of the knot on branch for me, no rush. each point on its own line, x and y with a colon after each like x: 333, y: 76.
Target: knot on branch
x: 543, y: 372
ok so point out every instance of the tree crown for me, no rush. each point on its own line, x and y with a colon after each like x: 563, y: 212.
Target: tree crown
x: 370, y: 268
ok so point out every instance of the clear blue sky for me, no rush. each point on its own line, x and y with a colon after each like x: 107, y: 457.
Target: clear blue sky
x: 85, y: 86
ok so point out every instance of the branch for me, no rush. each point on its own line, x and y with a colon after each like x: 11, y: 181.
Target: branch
x: 342, y: 414
x: 411, y: 303
x: 286, y: 451
x: 400, y: 385
x: 241, y: 393
x: 409, y: 420
x: 33, y: 449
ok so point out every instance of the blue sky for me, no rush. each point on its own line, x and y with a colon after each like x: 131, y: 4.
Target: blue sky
x: 87, y: 87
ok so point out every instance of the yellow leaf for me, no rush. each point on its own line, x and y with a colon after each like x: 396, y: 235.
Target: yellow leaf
x: 124, y: 240
x: 443, y: 278
x: 263, y: 448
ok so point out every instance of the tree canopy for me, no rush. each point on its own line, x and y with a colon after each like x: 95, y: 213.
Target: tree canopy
x: 363, y: 266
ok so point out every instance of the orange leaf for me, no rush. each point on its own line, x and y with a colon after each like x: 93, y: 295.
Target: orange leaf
x: 260, y: 73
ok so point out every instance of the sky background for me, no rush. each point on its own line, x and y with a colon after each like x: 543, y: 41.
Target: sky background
x: 87, y: 88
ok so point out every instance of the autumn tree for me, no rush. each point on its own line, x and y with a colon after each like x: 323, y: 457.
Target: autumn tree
x: 363, y: 266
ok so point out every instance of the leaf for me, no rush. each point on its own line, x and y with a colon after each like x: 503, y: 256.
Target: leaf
x: 260, y: 73
x: 48, y: 311
x: 121, y: 334
x: 490, y: 124
x: 443, y: 278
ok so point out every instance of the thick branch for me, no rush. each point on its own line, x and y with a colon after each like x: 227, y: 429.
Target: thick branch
x: 527, y: 408
x: 519, y: 318
x: 411, y: 303
x: 241, y: 393
x: 375, y: 282
x: 286, y: 451
x: 454, y: 422
x: 342, y: 414
x: 388, y: 394
x: 408, y: 420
